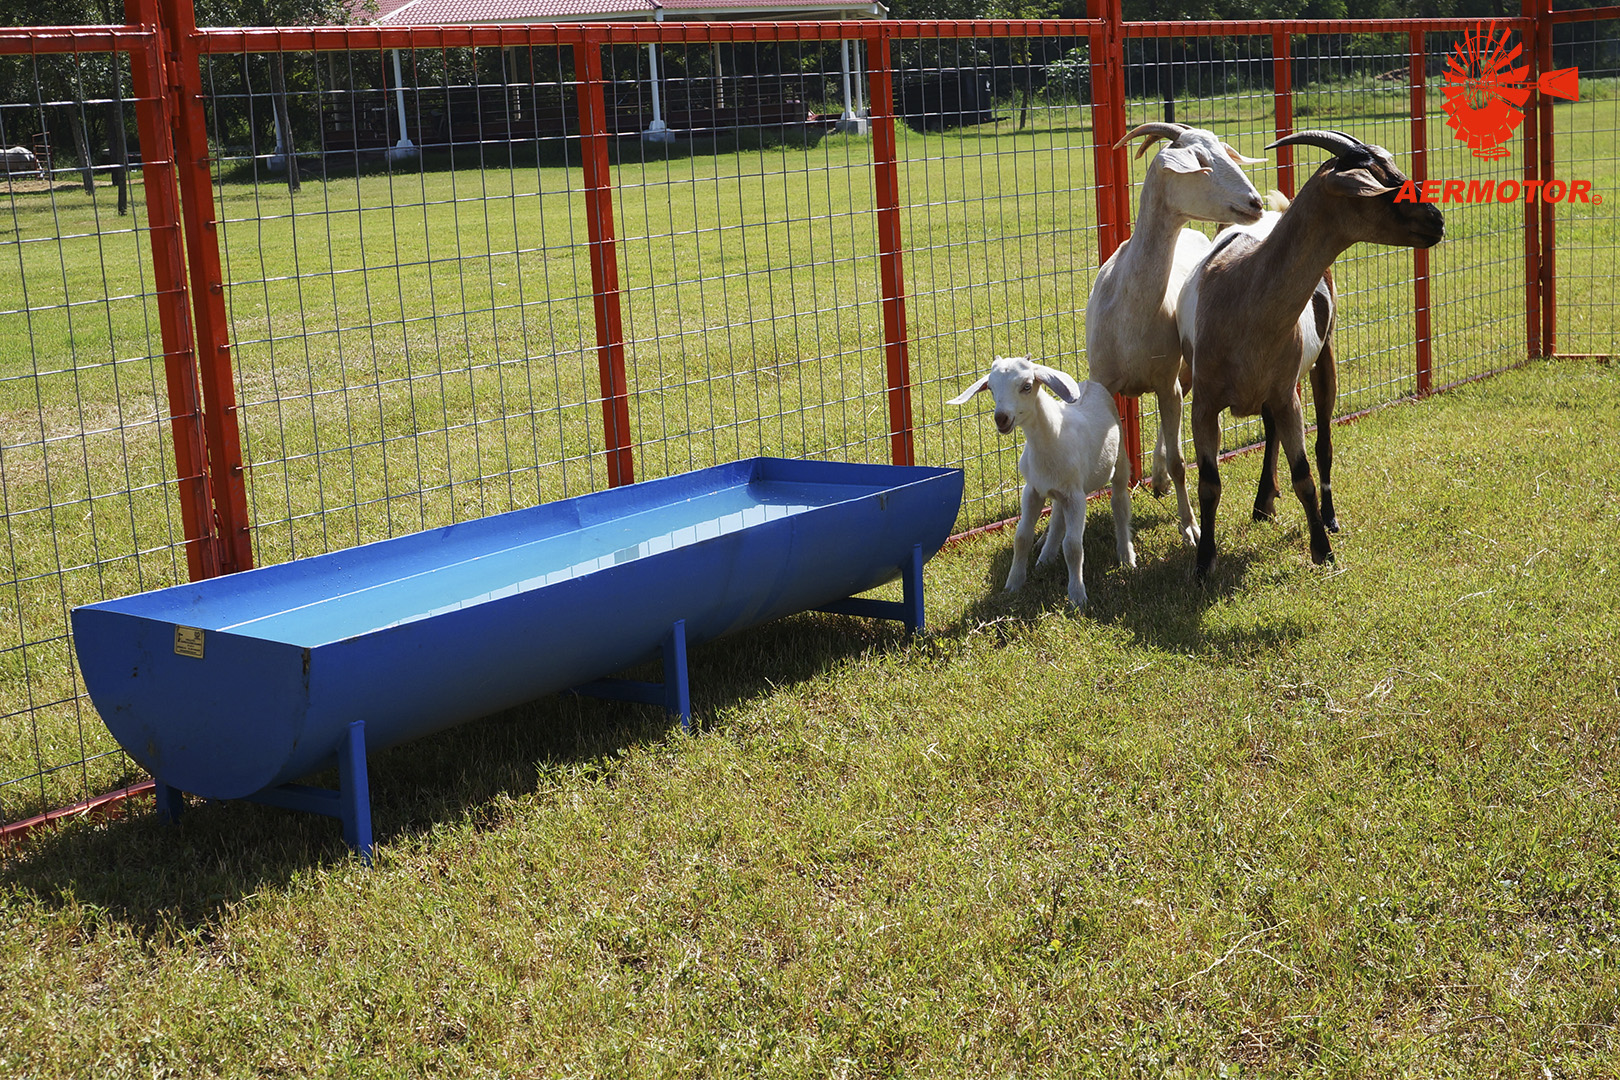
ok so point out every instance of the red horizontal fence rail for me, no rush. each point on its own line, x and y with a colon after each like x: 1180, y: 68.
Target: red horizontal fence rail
x: 209, y: 389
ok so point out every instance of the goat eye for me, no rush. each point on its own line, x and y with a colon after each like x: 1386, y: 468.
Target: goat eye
x: 1026, y: 388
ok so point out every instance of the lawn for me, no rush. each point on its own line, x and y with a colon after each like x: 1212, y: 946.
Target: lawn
x: 1346, y: 821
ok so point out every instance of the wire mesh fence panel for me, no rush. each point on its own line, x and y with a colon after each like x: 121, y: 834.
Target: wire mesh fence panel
x: 1586, y: 148
x: 750, y: 277
x: 1480, y: 314
x: 88, y: 506
x: 999, y: 190
x: 408, y: 284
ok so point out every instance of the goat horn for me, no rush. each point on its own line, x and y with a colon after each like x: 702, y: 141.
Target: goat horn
x: 1334, y: 142
x: 1154, y: 131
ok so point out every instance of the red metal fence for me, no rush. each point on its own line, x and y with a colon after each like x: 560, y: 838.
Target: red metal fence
x: 378, y: 279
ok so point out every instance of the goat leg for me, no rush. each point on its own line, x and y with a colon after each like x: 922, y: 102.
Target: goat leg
x: 1074, y: 546
x: 1324, y: 390
x: 1170, y: 442
x: 1024, y: 537
x: 1265, y: 496
x: 1206, y: 427
x: 1121, y: 503
x: 1291, y: 429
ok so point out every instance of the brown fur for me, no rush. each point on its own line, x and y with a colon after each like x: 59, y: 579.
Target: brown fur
x: 1246, y: 344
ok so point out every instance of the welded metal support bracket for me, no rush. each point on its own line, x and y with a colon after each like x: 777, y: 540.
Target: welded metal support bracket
x: 674, y: 693
x: 349, y: 802
x: 908, y: 610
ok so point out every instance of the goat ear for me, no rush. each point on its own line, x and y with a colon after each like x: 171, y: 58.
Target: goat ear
x: 1060, y: 383
x: 962, y: 398
x: 1354, y: 183
x: 1182, y: 160
x: 1239, y: 158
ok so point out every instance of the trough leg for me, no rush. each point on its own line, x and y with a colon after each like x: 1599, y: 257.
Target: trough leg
x: 674, y: 693
x: 911, y: 584
x: 677, y: 689
x: 171, y: 802
x: 354, y: 791
x: 908, y: 609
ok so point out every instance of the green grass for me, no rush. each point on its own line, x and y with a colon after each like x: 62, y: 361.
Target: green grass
x: 1344, y: 822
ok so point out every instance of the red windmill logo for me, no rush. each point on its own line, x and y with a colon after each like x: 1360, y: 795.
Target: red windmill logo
x: 1485, y: 90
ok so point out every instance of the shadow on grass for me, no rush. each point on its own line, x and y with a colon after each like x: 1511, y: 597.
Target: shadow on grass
x: 1160, y: 602
x: 159, y: 879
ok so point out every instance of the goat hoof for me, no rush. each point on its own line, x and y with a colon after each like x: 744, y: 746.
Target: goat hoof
x: 1189, y: 533
x: 1321, y: 555
x: 1262, y: 515
x: 1332, y: 524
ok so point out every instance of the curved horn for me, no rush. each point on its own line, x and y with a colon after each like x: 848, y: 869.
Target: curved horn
x: 1334, y: 142
x: 1154, y: 131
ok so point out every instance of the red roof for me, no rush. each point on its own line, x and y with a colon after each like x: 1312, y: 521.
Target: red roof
x: 461, y: 12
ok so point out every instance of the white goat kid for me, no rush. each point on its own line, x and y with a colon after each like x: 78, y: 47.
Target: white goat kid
x: 1071, y: 448
x: 1132, y: 344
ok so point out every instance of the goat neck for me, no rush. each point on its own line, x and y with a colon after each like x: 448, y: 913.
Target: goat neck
x: 1157, y: 227
x: 1292, y: 258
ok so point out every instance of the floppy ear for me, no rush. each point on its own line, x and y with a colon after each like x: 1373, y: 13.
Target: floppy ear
x: 962, y: 398
x: 1182, y: 160
x: 1353, y: 182
x: 1060, y: 383
x: 1239, y: 158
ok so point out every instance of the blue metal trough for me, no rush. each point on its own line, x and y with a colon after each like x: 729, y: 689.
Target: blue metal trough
x: 235, y: 687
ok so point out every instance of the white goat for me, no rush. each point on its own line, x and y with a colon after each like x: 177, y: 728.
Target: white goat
x: 1071, y: 448
x: 1257, y: 314
x: 1131, y: 341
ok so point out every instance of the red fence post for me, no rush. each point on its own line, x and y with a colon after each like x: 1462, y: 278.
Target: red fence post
x: 1420, y: 173
x: 152, y: 112
x: 212, y: 329
x: 885, y: 167
x: 1107, y: 47
x: 594, y: 138
x: 1282, y: 97
x: 1532, y: 211
x: 1548, y: 281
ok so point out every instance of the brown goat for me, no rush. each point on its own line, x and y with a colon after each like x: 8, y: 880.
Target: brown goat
x: 1257, y: 315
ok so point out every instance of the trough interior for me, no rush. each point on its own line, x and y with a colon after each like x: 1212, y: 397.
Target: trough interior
x: 362, y: 590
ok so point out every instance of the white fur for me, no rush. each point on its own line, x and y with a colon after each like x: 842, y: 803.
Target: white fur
x: 1071, y: 448
x: 18, y: 161
x: 1132, y: 344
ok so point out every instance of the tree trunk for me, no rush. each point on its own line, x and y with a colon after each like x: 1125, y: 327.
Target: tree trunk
x: 278, y: 91
x: 118, y: 143
x: 81, y: 143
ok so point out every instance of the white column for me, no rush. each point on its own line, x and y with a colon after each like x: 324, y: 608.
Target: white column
x: 860, y: 82
x: 657, y: 131
x: 404, y: 148
x: 851, y: 122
